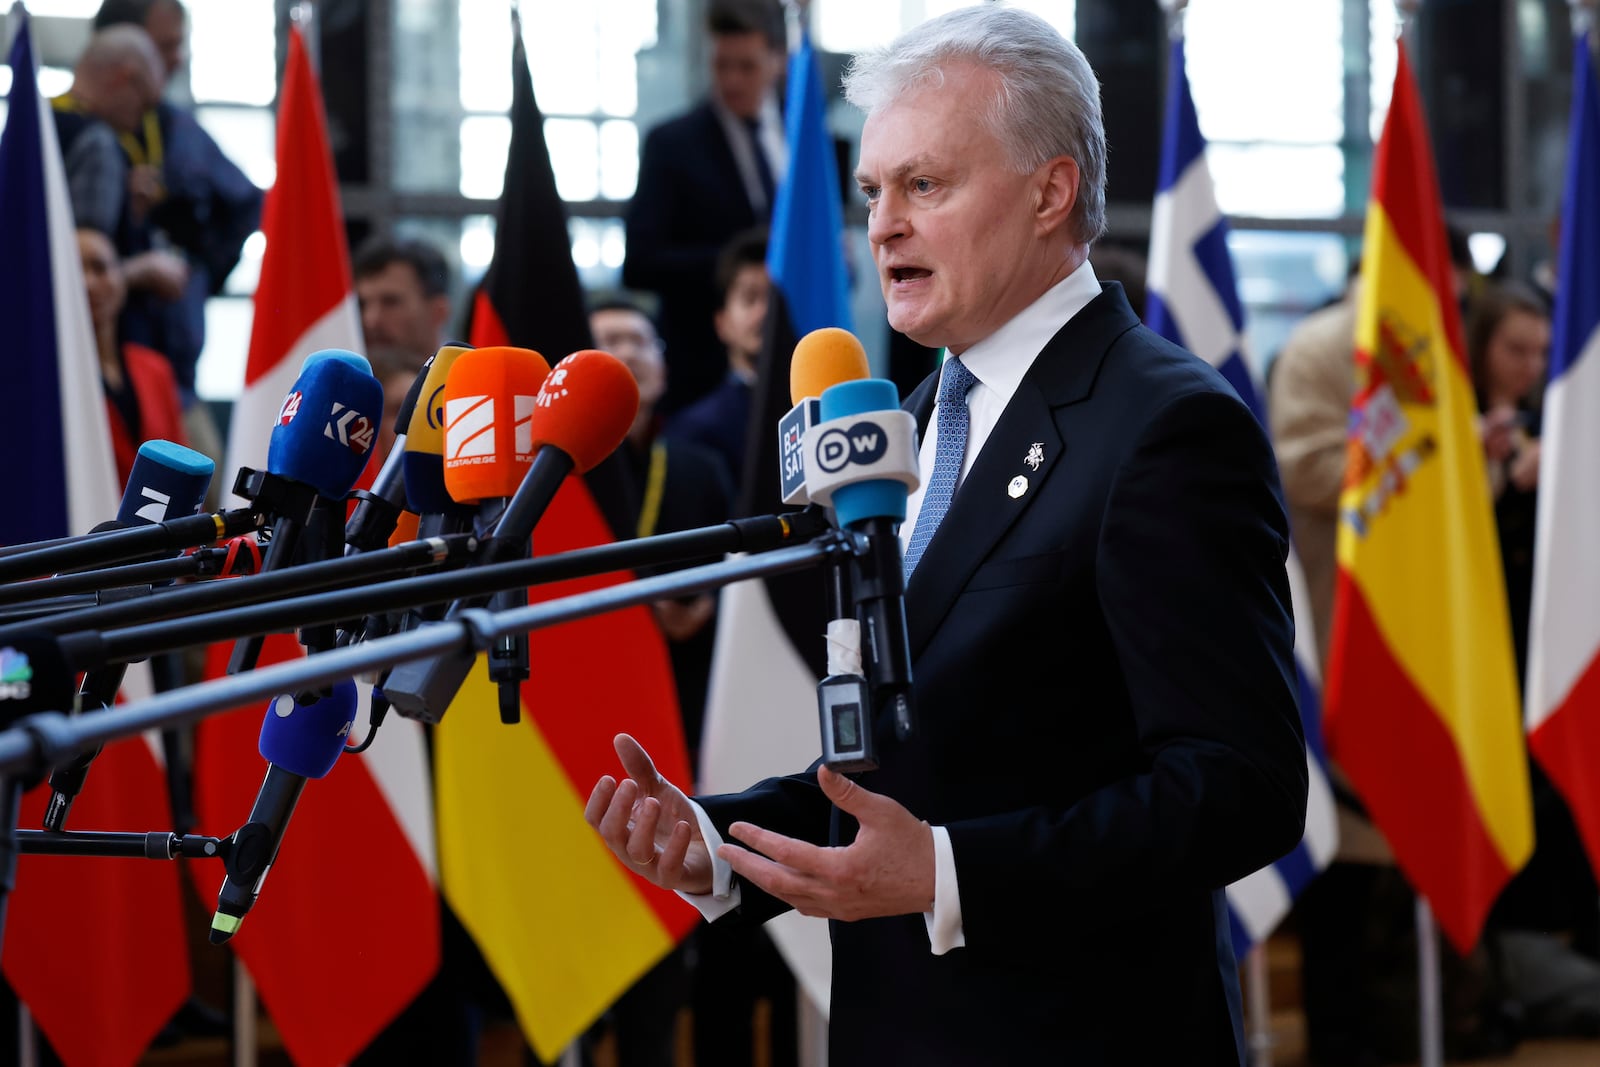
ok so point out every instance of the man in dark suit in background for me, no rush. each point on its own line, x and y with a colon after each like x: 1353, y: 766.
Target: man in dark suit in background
x: 1106, y: 730
x: 704, y: 177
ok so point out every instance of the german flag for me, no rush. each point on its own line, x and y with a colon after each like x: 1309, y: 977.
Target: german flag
x: 563, y: 926
x: 1422, y: 707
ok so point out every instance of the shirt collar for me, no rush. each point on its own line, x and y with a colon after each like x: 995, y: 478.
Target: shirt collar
x: 1001, y: 360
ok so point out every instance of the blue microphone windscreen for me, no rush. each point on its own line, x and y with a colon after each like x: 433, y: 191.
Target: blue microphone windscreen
x: 327, y: 427
x: 343, y: 355
x: 306, y: 739
x: 168, y: 481
x: 880, y: 497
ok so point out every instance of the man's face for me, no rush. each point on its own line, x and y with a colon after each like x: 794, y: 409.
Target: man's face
x: 743, y: 313
x: 164, y: 24
x: 629, y: 336
x: 396, y: 313
x: 743, y: 70
x: 952, y: 226
x: 135, y: 87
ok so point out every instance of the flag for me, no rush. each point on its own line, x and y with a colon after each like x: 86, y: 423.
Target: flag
x: 1193, y: 301
x: 563, y: 925
x: 106, y: 932
x: 761, y: 712
x: 1421, y: 701
x: 1564, y: 636
x: 346, y: 931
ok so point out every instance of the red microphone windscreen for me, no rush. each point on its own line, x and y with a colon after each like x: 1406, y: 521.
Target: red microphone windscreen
x: 488, y: 411
x: 586, y: 407
x: 824, y: 358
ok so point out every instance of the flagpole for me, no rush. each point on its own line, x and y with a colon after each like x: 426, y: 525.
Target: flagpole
x: 1430, y: 1011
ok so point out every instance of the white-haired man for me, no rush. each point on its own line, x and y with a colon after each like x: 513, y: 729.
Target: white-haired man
x: 1106, y: 729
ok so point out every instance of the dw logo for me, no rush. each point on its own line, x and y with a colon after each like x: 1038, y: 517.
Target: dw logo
x: 861, y: 444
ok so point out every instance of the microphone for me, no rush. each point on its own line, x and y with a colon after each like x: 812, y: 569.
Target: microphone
x: 423, y: 461
x: 301, y: 738
x: 377, y: 511
x: 862, y: 461
x: 581, y: 414
x: 324, y: 435
x: 488, y: 448
x: 822, y: 358
x: 168, y: 481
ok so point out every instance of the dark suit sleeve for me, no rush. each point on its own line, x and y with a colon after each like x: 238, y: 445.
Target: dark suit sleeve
x: 1191, y: 582
x: 794, y: 806
x: 658, y: 254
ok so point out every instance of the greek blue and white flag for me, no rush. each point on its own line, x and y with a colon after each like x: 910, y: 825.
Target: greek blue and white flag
x: 1193, y: 300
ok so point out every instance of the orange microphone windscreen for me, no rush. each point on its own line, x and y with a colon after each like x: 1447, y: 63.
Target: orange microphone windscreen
x: 823, y: 358
x: 586, y: 407
x: 488, y: 412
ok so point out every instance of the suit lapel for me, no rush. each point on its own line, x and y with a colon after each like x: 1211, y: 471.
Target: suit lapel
x: 990, y: 500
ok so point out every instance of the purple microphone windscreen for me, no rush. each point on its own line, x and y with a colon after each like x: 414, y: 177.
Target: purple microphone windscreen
x: 306, y: 739
x: 327, y: 427
x: 168, y: 481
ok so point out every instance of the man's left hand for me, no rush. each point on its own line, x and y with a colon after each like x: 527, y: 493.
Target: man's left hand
x: 887, y: 870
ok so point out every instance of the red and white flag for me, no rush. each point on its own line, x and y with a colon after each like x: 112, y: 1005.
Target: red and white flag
x: 345, y: 933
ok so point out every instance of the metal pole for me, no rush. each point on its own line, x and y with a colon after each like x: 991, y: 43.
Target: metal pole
x: 1430, y: 1015
x: 1260, y: 1017
x: 245, y: 1037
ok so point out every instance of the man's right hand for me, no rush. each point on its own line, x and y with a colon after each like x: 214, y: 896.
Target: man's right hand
x: 649, y: 824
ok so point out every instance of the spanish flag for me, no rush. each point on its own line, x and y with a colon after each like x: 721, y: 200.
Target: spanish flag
x: 1422, y: 707
x: 563, y: 926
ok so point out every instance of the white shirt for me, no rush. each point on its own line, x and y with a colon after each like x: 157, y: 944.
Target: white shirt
x: 999, y: 362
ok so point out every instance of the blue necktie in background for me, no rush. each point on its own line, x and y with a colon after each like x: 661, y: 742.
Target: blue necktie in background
x: 947, y: 456
x: 763, y: 165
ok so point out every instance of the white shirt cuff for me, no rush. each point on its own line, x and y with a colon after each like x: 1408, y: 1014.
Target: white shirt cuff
x: 944, y: 921
x: 724, y: 895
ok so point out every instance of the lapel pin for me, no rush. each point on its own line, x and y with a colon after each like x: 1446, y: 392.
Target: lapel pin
x: 1034, y: 457
x: 1018, y: 486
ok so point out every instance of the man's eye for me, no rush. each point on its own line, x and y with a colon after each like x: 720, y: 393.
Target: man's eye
x: 922, y: 185
x: 870, y: 192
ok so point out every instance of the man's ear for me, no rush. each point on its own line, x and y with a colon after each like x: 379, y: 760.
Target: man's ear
x: 441, y: 311
x: 1055, y: 193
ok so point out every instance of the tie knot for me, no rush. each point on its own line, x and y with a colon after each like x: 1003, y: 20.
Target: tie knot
x: 955, y: 382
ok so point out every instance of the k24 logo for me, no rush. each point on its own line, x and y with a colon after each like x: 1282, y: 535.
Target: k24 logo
x: 351, y: 428
x: 291, y: 408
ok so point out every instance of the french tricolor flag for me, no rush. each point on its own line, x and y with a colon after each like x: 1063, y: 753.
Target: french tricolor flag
x: 1193, y: 300
x: 1563, y: 685
x: 93, y: 946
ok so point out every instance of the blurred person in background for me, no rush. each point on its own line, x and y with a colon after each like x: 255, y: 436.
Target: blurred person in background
x: 720, y: 420
x: 142, y: 402
x: 191, y: 205
x: 704, y: 177
x: 403, y: 289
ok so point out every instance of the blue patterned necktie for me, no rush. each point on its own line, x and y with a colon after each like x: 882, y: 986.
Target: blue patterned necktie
x: 947, y: 456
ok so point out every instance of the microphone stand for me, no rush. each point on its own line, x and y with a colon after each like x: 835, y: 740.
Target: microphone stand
x: 37, y: 742
x: 117, y: 546
x: 86, y: 645
x: 203, y: 563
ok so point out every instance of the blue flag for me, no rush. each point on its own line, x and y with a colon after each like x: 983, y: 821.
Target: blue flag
x: 805, y: 253
x: 1193, y: 300
x: 62, y: 478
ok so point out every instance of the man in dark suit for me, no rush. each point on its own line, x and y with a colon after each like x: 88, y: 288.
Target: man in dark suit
x: 1106, y: 730
x: 703, y: 178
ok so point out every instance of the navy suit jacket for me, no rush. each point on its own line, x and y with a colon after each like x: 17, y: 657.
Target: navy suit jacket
x: 1106, y: 723
x: 691, y: 201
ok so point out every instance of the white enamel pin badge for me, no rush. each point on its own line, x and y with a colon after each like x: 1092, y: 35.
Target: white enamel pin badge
x: 1035, y: 455
x: 1018, y: 486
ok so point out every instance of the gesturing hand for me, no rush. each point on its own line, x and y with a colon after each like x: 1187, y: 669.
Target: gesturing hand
x: 887, y: 870
x: 649, y: 824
